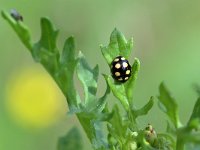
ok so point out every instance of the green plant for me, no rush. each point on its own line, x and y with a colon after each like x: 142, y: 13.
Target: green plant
x: 93, y: 113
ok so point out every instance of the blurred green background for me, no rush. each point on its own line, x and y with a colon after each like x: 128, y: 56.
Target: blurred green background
x: 167, y: 41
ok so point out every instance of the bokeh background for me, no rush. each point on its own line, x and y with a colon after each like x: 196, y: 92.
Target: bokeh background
x: 167, y: 41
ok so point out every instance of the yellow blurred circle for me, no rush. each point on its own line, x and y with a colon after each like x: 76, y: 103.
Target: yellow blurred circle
x: 33, y: 99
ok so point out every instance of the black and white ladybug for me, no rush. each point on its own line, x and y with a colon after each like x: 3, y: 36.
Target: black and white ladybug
x: 120, y: 69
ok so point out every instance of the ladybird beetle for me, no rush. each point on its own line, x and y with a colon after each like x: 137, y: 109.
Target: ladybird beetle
x: 120, y: 69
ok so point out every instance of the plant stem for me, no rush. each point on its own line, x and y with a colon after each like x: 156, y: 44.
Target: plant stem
x: 179, y: 144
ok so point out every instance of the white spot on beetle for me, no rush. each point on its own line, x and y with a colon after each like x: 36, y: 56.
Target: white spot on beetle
x: 128, y: 71
x: 116, y: 60
x: 122, y: 58
x: 117, y: 66
x: 117, y: 74
x: 125, y: 64
x: 120, y: 79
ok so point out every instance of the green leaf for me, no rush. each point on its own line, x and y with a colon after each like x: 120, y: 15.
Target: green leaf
x: 71, y: 141
x: 194, y: 124
x: 117, y: 127
x: 88, y: 78
x: 68, y: 57
x: 118, y: 46
x: 48, y: 35
x: 165, y: 142
x: 45, y: 50
x: 65, y: 74
x: 196, y: 110
x: 93, y: 127
x: 145, y: 109
x: 46, y: 46
x: 99, y: 104
x: 195, y: 117
x: 170, y: 129
x: 129, y: 85
x: 61, y: 68
x: 102, y: 100
x: 168, y: 105
x: 20, y: 28
x: 124, y: 92
x: 118, y: 90
x: 85, y: 120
